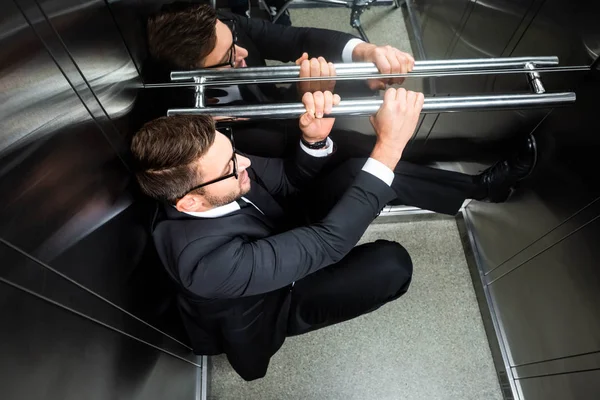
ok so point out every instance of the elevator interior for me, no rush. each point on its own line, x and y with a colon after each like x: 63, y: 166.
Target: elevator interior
x: 87, y: 311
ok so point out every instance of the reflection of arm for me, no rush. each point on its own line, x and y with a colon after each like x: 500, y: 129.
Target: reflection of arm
x: 246, y: 267
x: 278, y: 42
x: 283, y: 177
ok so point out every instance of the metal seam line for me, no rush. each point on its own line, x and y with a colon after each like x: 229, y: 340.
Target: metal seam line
x: 90, y: 291
x: 556, y: 359
x: 543, y: 250
x: 69, y: 80
x: 90, y: 90
x: 31, y: 292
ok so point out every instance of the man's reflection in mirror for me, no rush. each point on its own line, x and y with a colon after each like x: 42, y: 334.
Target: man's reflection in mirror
x: 186, y: 37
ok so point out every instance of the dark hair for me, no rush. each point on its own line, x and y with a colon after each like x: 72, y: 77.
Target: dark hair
x: 165, y: 152
x: 182, y: 38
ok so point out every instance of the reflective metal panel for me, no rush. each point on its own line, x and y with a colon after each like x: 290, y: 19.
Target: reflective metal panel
x: 128, y: 305
x: 564, y: 183
x: 489, y: 27
x: 66, y: 194
x: 585, y: 362
x: 584, y: 385
x: 440, y: 22
x: 58, y: 174
x: 92, y: 40
x: 51, y: 353
x: 569, y: 28
x: 548, y: 308
x: 130, y: 21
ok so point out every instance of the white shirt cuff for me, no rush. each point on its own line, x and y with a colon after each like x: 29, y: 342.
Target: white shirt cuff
x: 349, y: 48
x: 319, y: 152
x: 379, y: 170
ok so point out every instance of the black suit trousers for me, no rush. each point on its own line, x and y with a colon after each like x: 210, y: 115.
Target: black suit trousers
x: 372, y: 274
x: 415, y: 185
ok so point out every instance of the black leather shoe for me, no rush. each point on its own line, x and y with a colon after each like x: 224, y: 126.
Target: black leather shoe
x: 499, y: 180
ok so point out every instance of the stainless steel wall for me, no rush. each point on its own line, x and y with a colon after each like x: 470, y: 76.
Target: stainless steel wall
x: 538, y: 257
x: 538, y: 253
x: 87, y: 310
x: 496, y: 28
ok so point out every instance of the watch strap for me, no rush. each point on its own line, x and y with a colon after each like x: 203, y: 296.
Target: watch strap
x: 316, y: 145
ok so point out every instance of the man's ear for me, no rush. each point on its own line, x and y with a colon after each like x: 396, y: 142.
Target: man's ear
x: 190, y: 203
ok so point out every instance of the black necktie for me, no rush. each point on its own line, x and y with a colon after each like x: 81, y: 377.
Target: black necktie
x: 263, y: 202
x: 242, y: 203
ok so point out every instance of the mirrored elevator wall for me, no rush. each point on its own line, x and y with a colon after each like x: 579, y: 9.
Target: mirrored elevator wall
x: 536, y: 255
x: 86, y: 309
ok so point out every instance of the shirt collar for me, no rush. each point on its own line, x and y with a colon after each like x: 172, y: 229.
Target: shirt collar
x: 218, y: 211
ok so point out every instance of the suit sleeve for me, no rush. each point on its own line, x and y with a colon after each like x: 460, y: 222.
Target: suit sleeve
x: 278, y: 42
x: 248, y: 267
x: 283, y: 177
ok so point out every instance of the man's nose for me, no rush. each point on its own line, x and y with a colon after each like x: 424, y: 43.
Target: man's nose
x: 240, y: 53
x: 243, y: 162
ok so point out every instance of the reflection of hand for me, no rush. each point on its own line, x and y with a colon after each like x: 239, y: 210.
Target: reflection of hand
x: 312, y: 124
x: 388, y: 60
x: 315, y: 67
x: 395, y: 123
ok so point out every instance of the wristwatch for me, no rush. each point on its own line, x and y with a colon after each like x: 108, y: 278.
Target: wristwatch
x: 316, y: 145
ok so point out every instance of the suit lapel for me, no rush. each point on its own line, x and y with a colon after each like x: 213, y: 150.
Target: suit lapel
x: 265, y: 202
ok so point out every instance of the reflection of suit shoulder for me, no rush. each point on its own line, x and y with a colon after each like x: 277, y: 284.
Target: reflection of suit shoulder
x: 222, y: 95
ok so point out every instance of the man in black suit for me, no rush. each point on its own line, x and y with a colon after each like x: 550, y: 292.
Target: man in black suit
x: 264, y: 248
x: 184, y: 37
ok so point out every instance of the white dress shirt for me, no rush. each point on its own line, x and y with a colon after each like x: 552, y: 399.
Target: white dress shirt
x: 349, y: 48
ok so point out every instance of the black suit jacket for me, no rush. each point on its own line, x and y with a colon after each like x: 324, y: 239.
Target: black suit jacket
x: 235, y: 272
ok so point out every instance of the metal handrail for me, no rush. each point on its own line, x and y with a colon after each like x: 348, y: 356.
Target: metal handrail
x: 369, y: 107
x: 348, y: 69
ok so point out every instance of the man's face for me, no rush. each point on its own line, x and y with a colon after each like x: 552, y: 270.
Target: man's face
x: 222, y: 50
x: 217, y: 162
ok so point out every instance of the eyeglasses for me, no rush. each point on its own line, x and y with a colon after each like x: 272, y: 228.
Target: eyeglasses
x: 228, y: 132
x: 231, y: 63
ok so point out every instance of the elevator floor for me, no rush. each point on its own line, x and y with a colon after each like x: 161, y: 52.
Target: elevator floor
x: 429, y: 344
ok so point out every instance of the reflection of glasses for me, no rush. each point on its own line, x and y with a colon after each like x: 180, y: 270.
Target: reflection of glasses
x: 227, y: 132
x: 231, y: 62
